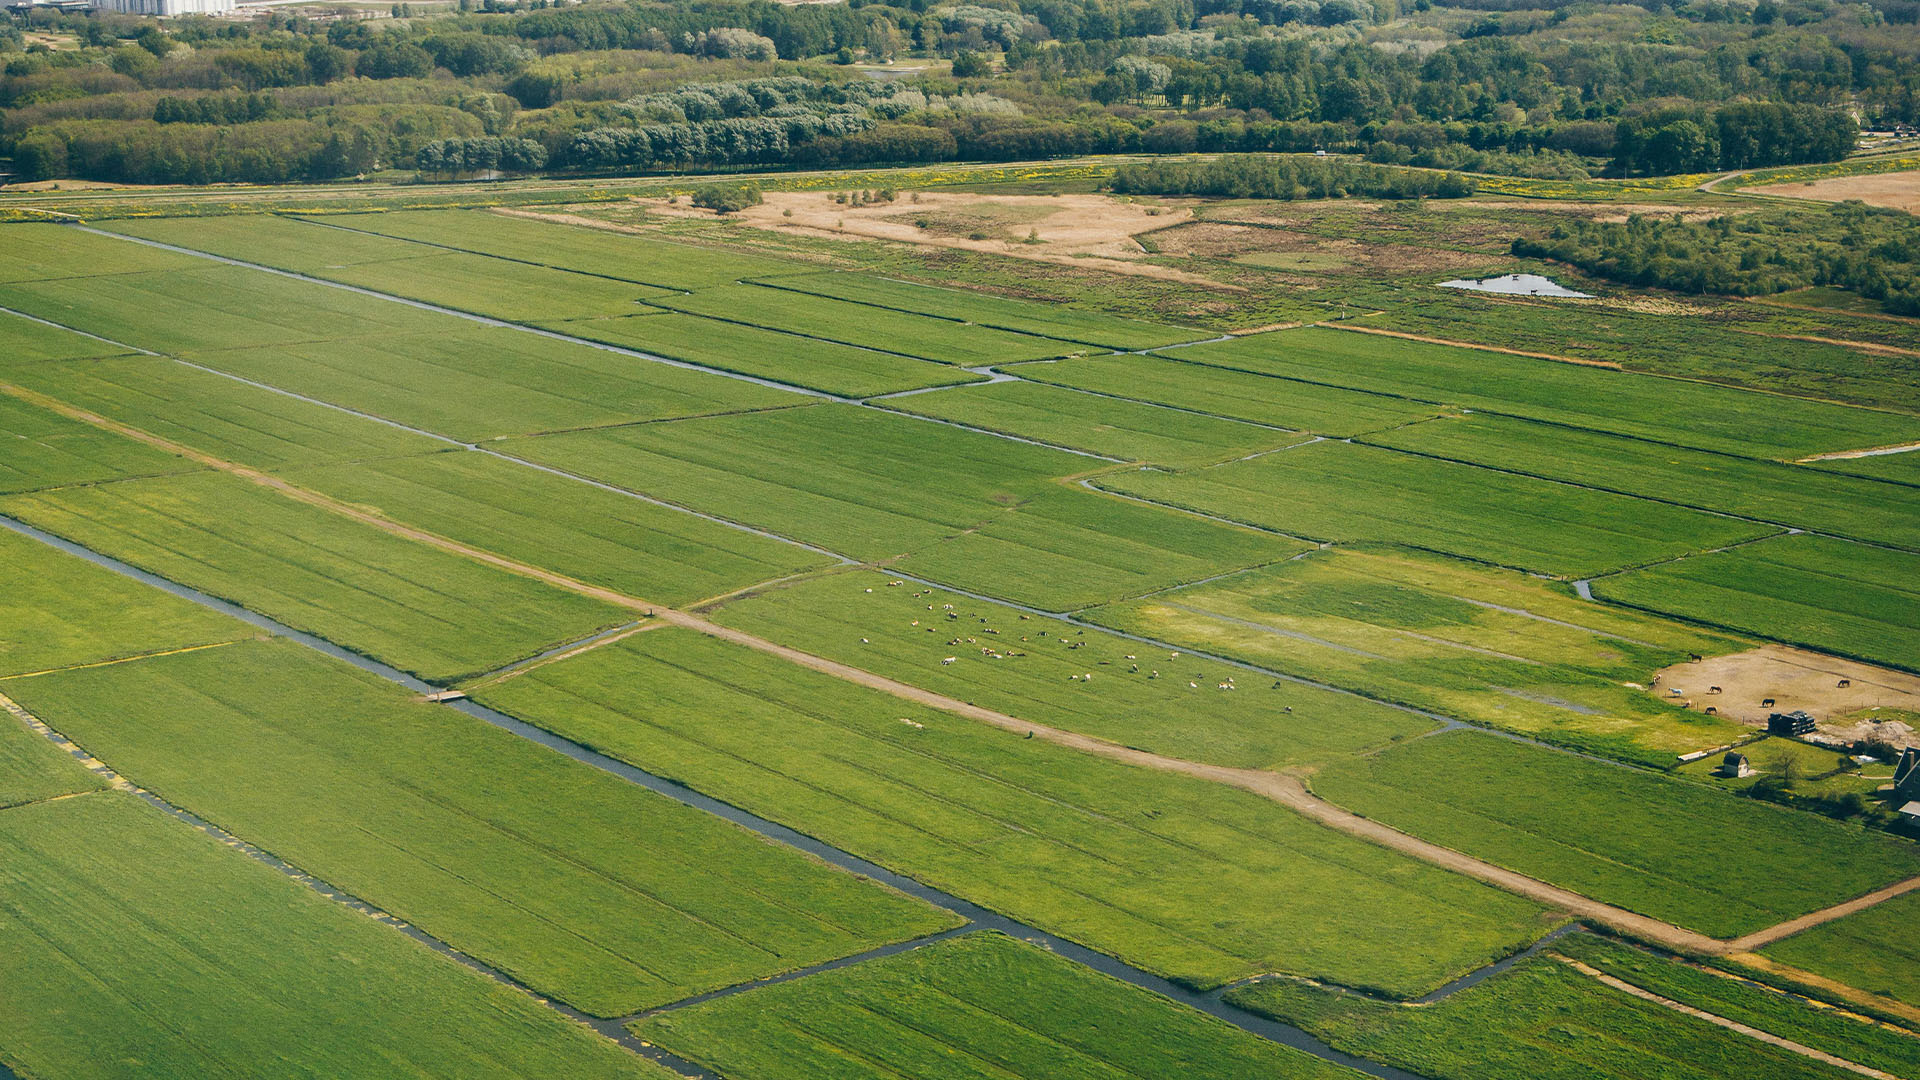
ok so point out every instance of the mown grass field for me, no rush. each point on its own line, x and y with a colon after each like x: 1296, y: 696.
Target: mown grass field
x: 132, y: 944
x: 1815, y: 591
x: 928, y: 338
x: 58, y: 610
x: 1829, y: 1030
x: 587, y: 533
x: 1872, y: 949
x: 578, y: 883
x: 40, y: 448
x: 1793, y: 495
x: 216, y: 414
x: 648, y: 260
x: 23, y: 341
x: 1180, y: 876
x: 1238, y: 395
x: 827, y: 366
x: 43, y: 252
x: 1664, y: 410
x: 1138, y: 695
x: 1114, y: 427
x: 272, y: 240
x: 473, y: 382
x: 985, y: 309
x: 33, y: 770
x: 420, y: 609
x: 1541, y: 1020
x: 211, y: 307
x: 1333, y: 491
x: 970, y: 1008
x: 1902, y: 467
x: 1495, y: 647
x: 1610, y: 832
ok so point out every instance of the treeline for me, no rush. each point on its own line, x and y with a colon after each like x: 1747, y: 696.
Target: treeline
x: 1742, y: 136
x: 1287, y: 178
x: 1873, y: 252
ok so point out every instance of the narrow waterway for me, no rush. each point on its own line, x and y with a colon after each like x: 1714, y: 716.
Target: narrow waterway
x: 1210, y: 1002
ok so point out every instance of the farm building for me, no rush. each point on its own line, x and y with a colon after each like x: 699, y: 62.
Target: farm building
x: 165, y: 8
x: 1797, y: 722
x: 1906, y: 774
x: 1733, y: 766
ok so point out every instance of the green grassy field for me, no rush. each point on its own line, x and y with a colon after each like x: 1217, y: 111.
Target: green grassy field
x: 132, y: 944
x: 1239, y: 395
x: 23, y: 341
x: 32, y: 770
x: 218, y: 415
x: 985, y: 309
x: 497, y: 288
x: 1138, y: 695
x: 272, y: 240
x: 1181, y: 876
x: 649, y: 260
x: 1114, y: 427
x: 1805, y: 590
x: 427, y: 611
x: 1829, y: 1030
x: 475, y: 383
x: 1668, y: 410
x: 1903, y: 467
x: 43, y: 252
x: 58, y: 610
x: 1347, y: 492
x: 1541, y: 1020
x: 875, y: 328
x: 1774, y: 757
x: 587, y: 533
x: 768, y: 354
x: 1495, y: 647
x: 40, y: 448
x: 855, y: 480
x: 576, y: 882
x: 979, y: 1007
x: 1791, y: 495
x: 1871, y: 949
x: 212, y: 307
x: 1608, y: 831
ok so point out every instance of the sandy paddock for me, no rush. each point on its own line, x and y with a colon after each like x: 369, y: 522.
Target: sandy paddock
x: 1899, y: 190
x: 1794, y: 679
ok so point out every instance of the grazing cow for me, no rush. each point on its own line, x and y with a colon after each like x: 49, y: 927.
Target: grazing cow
x: 1766, y: 703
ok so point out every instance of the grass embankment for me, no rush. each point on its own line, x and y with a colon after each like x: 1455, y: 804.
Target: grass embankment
x: 1872, y: 949
x: 1181, y: 876
x: 578, y: 883
x: 970, y: 1008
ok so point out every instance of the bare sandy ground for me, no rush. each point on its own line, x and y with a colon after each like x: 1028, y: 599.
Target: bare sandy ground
x: 1094, y: 232
x: 1899, y: 190
x: 1796, y: 679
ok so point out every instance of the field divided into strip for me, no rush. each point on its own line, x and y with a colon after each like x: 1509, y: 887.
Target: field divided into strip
x: 132, y: 944
x: 44, y: 252
x: 576, y: 882
x: 215, y: 414
x: 1815, y: 591
x: 1608, y: 831
x: 1871, y: 949
x: 268, y: 239
x: 1023, y: 316
x: 1663, y: 410
x: 1074, y: 678
x: 1177, y: 875
x: 1495, y: 647
x: 1097, y: 424
x: 1792, y: 495
x: 597, y: 536
x: 41, y: 449
x: 826, y: 366
x: 24, y: 341
x: 1338, y: 491
x: 423, y: 610
x: 979, y: 1007
x: 928, y: 338
x: 647, y: 260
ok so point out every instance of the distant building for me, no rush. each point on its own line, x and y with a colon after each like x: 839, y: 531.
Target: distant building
x: 166, y: 8
x: 1733, y: 766
x: 1796, y: 722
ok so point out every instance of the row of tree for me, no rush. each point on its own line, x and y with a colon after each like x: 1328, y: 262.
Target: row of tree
x: 1739, y: 136
x: 1287, y: 178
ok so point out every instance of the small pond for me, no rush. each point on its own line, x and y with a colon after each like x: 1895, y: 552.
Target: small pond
x: 1519, y: 285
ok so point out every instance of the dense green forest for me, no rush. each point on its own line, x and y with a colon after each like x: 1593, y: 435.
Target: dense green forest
x: 1560, y: 88
x: 1873, y: 252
